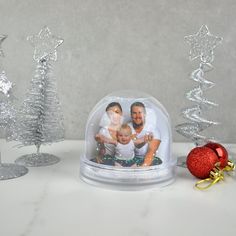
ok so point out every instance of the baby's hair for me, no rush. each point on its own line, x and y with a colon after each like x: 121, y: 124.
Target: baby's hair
x: 125, y: 127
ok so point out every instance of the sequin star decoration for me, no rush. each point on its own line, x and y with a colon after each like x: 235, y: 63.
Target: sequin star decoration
x: 5, y: 84
x: 203, y: 44
x: 2, y: 38
x: 45, y: 45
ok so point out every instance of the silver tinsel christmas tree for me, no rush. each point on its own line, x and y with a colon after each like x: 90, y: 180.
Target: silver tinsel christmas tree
x: 202, y: 46
x: 8, y: 111
x: 7, y: 121
x: 40, y: 119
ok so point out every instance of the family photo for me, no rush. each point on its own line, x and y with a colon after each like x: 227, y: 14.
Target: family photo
x: 130, y: 140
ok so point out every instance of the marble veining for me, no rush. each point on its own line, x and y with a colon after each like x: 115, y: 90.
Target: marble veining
x: 36, y: 210
x: 53, y: 200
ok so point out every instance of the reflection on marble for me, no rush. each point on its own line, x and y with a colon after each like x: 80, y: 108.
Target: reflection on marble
x: 53, y: 200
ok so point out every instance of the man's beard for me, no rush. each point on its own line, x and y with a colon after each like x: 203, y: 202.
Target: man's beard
x: 137, y: 125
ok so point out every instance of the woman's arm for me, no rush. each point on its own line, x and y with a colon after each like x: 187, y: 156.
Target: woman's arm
x: 102, y: 139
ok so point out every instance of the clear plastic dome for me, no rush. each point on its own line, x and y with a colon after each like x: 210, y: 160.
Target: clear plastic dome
x: 128, y: 143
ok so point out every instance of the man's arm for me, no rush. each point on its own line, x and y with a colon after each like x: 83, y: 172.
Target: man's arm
x: 152, y: 148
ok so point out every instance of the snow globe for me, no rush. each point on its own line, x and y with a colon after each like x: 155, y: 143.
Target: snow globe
x: 128, y: 143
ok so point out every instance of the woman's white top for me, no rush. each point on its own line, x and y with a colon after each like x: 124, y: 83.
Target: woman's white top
x: 109, y: 148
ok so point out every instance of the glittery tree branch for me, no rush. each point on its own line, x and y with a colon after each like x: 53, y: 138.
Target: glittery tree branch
x: 40, y: 119
x: 7, y: 109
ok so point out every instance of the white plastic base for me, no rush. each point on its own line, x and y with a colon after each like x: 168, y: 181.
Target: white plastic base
x: 126, y: 178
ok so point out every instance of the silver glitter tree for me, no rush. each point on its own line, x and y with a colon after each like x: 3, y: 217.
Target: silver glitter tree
x: 202, y: 46
x: 7, y: 109
x: 40, y: 119
x: 7, y: 120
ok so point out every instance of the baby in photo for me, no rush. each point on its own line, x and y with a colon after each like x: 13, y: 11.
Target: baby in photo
x: 125, y: 146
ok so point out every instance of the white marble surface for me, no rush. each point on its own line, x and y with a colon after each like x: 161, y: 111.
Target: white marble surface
x: 53, y: 200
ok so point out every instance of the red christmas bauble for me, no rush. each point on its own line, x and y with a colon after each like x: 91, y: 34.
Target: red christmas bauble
x: 220, y: 151
x: 201, y: 161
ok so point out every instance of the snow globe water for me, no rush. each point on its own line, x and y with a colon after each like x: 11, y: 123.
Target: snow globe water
x: 128, y: 143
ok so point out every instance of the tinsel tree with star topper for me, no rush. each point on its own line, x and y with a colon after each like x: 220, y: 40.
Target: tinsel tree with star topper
x: 202, y: 45
x: 40, y: 119
x: 7, y: 121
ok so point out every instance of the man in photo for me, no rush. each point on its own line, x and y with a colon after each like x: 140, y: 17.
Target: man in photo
x: 147, y: 155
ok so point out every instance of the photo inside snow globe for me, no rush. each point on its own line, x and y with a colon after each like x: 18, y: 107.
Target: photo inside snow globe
x: 128, y: 133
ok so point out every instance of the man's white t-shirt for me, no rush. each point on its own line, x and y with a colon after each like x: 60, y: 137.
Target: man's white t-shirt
x: 125, y: 151
x: 141, y: 152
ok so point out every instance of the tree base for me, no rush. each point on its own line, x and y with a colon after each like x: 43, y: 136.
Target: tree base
x: 37, y: 159
x: 11, y: 171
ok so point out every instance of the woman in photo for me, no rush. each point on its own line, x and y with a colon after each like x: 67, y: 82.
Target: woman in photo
x: 111, y: 123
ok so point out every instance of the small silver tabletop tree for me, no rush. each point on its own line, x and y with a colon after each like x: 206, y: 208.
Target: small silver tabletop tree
x: 40, y: 119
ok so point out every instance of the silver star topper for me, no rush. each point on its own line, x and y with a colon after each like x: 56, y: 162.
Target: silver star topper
x: 45, y: 44
x: 2, y: 38
x: 202, y: 44
x: 5, y: 84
